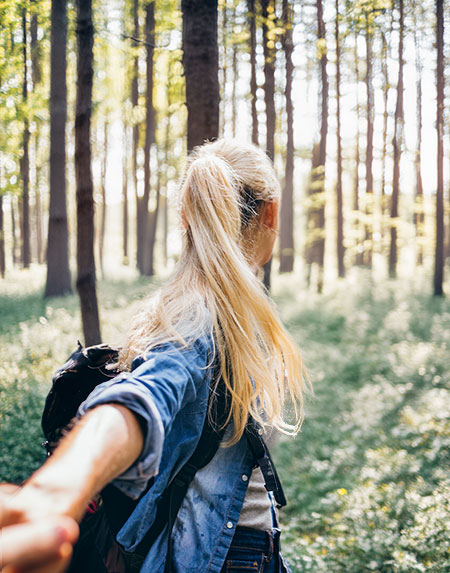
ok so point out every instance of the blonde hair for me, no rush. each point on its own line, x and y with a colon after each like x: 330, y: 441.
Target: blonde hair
x: 214, y: 288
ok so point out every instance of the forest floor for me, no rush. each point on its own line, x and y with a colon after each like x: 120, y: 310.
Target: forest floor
x: 367, y: 479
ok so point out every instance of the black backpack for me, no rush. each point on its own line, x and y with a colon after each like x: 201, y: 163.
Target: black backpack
x: 97, y: 550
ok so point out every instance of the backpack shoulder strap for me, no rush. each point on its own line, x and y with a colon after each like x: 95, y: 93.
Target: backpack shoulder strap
x: 264, y: 460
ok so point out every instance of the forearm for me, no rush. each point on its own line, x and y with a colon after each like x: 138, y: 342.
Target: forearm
x: 100, y: 447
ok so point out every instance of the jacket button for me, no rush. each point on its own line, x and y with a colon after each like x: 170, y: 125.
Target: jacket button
x: 245, y: 477
x: 230, y: 525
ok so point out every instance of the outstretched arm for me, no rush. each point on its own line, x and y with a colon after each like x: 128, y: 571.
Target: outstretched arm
x: 101, y: 446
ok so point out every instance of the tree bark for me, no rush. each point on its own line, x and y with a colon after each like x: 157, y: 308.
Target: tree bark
x: 146, y: 220
x: 419, y: 215
x: 25, y: 159
x: 103, y: 192
x: 58, y: 271
x: 36, y: 77
x: 397, y: 144
x: 200, y: 61
x: 357, y: 222
x: 224, y: 68
x: 269, y: 99
x: 253, y: 85
x: 2, y: 240
x: 13, y: 232
x: 368, y: 247
x: 316, y: 211
x: 234, y: 69
x: 339, y: 201
x: 134, y: 103
x: 287, y: 199
x: 385, y: 72
x: 85, y: 202
x: 439, y: 248
x: 125, y: 195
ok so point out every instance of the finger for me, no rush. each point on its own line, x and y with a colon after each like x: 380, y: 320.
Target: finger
x: 35, y: 543
x: 56, y: 565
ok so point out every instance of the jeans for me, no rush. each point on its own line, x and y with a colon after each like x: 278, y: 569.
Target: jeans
x: 255, y: 551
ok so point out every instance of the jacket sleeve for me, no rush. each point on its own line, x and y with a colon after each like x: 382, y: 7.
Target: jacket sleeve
x: 161, y: 383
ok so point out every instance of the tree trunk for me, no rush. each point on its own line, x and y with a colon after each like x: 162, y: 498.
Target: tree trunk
x: 397, y: 144
x: 38, y: 213
x: 146, y: 246
x: 385, y: 72
x: 268, y: 11
x: 2, y: 240
x: 287, y: 200
x: 439, y: 249
x: 224, y: 67
x: 25, y: 159
x: 85, y: 201
x: 36, y: 77
x: 200, y: 61
x: 357, y: 222
x: 58, y: 271
x: 419, y: 215
x: 253, y: 86
x: 316, y: 209
x: 234, y: 68
x: 13, y: 232
x: 35, y: 51
x: 368, y: 247
x: 134, y: 103
x: 125, y: 195
x: 103, y: 192
x: 339, y: 202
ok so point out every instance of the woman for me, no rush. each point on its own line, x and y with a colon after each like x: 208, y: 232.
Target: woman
x: 146, y: 422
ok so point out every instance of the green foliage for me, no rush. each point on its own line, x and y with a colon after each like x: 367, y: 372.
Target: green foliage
x: 36, y: 337
x: 367, y: 480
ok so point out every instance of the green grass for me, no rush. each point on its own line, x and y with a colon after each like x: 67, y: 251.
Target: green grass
x: 367, y: 478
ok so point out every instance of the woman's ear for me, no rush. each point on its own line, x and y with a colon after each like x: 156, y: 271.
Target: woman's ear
x: 270, y: 215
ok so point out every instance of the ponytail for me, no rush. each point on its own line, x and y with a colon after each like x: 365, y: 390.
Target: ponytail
x: 215, y: 285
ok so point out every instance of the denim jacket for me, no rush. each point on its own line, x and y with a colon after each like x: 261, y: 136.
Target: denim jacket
x: 168, y: 388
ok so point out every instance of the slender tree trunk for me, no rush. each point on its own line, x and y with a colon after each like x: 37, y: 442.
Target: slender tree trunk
x: 134, y: 103
x: 339, y: 201
x: 14, y: 231
x: 357, y: 222
x: 152, y: 221
x: 125, y: 195
x: 419, y: 216
x: 397, y: 144
x: 38, y: 214
x: 35, y: 51
x: 234, y: 67
x: 25, y: 159
x: 58, y: 271
x: 2, y: 240
x: 369, y: 147
x: 103, y: 192
x: 316, y: 223
x: 269, y: 98
x: 385, y: 72
x: 224, y: 83
x: 36, y: 76
x: 287, y: 200
x: 146, y: 246
x: 439, y: 249
x: 85, y: 202
x: 253, y: 86
x: 200, y: 61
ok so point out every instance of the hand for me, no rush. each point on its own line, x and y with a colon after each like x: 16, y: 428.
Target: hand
x: 39, y: 546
